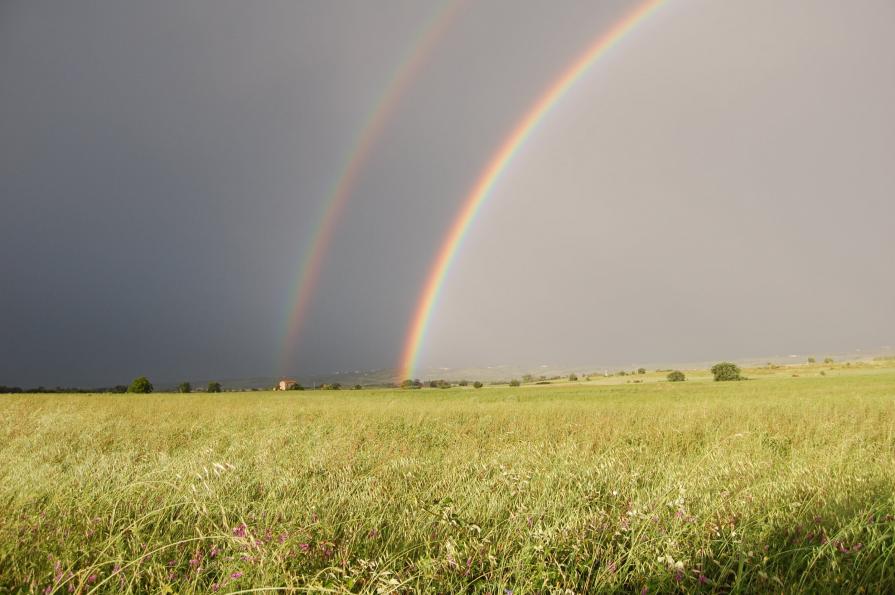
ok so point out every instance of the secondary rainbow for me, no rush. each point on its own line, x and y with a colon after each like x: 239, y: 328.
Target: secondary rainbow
x: 491, y: 174
x: 332, y: 208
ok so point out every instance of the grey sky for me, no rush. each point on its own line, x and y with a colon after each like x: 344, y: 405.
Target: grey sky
x: 720, y: 185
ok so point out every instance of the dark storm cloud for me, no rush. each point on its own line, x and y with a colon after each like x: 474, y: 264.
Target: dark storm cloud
x: 162, y: 165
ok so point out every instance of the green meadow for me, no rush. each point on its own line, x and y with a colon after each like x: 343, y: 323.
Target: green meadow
x: 777, y: 483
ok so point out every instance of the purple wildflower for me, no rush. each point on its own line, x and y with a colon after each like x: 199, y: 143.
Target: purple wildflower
x: 240, y: 530
x: 236, y: 575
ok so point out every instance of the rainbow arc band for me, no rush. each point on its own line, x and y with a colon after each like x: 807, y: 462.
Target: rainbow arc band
x: 331, y: 211
x: 491, y: 174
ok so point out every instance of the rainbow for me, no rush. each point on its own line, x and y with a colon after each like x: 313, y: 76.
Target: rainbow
x: 332, y: 208
x: 491, y: 174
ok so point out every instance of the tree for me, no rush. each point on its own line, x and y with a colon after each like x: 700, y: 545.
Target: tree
x: 828, y: 360
x: 573, y: 377
x: 185, y: 387
x: 676, y: 376
x: 641, y: 370
x: 725, y: 371
x: 514, y: 382
x: 357, y: 387
x: 214, y: 387
x: 811, y: 360
x: 477, y: 384
x: 296, y: 386
x: 140, y: 385
x: 463, y: 383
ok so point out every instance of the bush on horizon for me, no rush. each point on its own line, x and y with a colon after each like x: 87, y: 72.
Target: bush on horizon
x: 140, y: 385
x: 726, y: 371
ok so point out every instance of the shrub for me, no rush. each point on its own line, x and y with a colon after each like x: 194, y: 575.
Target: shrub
x: 641, y: 370
x: 725, y: 371
x: 477, y: 384
x: 140, y: 385
x: 514, y: 382
x: 463, y: 383
x: 185, y: 387
x: 357, y: 387
x: 573, y: 377
x: 828, y: 360
x: 296, y: 386
x: 676, y: 376
x: 214, y: 387
x: 811, y: 360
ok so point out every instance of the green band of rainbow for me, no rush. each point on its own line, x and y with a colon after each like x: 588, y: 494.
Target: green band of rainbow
x: 332, y: 208
x: 492, y: 173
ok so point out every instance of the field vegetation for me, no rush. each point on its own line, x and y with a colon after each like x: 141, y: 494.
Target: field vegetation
x: 776, y: 483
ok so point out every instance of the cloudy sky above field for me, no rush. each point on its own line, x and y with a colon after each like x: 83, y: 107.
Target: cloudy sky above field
x: 721, y: 185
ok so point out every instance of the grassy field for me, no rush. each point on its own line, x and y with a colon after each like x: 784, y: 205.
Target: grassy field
x: 774, y: 484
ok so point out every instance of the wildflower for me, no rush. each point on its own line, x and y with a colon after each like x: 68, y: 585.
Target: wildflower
x: 236, y: 575
x: 304, y: 547
x: 678, y: 576
x: 644, y: 590
x: 703, y: 579
x: 91, y: 579
x: 213, y: 552
x: 215, y: 587
x: 116, y: 569
x: 240, y: 530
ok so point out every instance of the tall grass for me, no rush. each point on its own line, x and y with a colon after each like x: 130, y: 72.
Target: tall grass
x: 768, y: 485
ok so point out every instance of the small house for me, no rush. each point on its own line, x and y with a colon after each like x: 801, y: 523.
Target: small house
x: 286, y: 384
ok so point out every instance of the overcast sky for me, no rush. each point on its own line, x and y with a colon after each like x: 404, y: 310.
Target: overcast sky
x: 720, y: 185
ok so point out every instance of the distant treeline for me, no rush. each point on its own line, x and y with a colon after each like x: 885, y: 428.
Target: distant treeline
x: 119, y: 388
